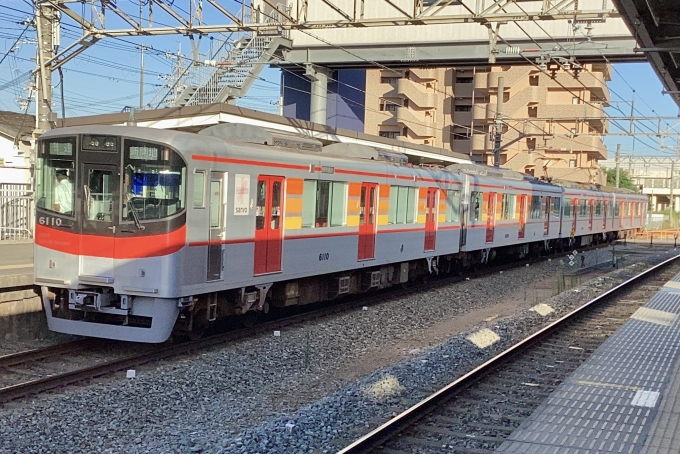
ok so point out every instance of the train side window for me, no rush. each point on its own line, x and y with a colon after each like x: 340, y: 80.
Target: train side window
x: 392, y: 211
x: 452, y: 205
x: 308, y: 203
x: 475, y: 205
x: 567, y: 207
x: 404, y: 208
x: 556, y: 207
x: 199, y: 189
x: 215, y: 203
x: 584, y: 208
x: 507, y: 206
x: 598, y: 208
x: 616, y: 209
x: 536, y: 203
x: 411, y: 205
x: 338, y: 203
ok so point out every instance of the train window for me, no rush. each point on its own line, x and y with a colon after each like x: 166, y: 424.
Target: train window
x: 154, y: 181
x: 546, y: 207
x: 323, y: 203
x: 402, y: 205
x: 475, y: 205
x: 584, y: 208
x: 567, y: 207
x: 616, y: 209
x: 452, y: 206
x: 536, y: 203
x: 55, y: 175
x: 261, y: 204
x: 508, y: 204
x: 308, y: 203
x: 598, y: 208
x: 199, y: 189
x: 215, y: 203
x: 556, y: 207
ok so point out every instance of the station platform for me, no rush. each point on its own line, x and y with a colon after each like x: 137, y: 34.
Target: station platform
x: 16, y: 264
x: 624, y: 399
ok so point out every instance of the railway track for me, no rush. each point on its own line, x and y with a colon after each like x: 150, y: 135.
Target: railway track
x: 475, y: 413
x: 38, y: 371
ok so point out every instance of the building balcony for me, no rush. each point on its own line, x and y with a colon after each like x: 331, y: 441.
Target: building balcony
x: 417, y: 94
x: 421, y: 126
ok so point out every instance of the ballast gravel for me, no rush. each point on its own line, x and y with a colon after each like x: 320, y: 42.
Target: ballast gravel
x: 314, y: 388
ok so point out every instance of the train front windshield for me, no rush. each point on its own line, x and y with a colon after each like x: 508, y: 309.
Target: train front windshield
x: 110, y: 180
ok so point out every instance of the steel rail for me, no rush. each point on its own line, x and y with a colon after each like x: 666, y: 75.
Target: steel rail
x: 407, y: 418
x: 14, y: 359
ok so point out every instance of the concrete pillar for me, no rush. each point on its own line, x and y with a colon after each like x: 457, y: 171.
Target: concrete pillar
x: 676, y: 203
x: 654, y: 205
x: 319, y: 92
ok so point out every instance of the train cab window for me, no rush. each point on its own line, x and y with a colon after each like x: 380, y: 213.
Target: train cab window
x: 55, y: 175
x: 452, y: 206
x: 556, y: 207
x: 567, y: 207
x: 199, y: 189
x: 99, y: 195
x: 475, y: 205
x: 154, y: 181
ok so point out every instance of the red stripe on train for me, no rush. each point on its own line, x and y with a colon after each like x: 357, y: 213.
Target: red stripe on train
x: 106, y: 246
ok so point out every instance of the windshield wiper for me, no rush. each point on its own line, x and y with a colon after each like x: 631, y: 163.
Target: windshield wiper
x: 135, y: 215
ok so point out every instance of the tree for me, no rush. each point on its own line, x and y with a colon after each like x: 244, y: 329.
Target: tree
x: 624, y: 179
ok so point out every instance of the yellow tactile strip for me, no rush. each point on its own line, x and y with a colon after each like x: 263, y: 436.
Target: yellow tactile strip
x: 654, y: 316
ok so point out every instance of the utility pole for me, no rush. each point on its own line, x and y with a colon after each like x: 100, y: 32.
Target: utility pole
x: 672, y: 204
x: 45, y: 22
x: 498, y: 125
x: 618, y: 167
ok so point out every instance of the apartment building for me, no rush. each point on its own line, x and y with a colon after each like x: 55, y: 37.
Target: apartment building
x: 553, y: 122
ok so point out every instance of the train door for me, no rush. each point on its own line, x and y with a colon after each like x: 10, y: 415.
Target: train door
x: 622, y: 205
x: 431, y: 219
x: 546, y: 214
x: 98, y: 219
x: 217, y: 205
x: 464, y: 209
x: 491, y: 218
x: 367, y: 222
x: 591, y: 207
x: 268, y: 224
x: 575, y: 206
x: 522, y: 215
x: 605, y: 209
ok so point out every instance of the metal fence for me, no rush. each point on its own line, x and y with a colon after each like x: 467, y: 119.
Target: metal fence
x: 16, y: 211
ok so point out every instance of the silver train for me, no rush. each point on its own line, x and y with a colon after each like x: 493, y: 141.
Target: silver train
x: 142, y: 231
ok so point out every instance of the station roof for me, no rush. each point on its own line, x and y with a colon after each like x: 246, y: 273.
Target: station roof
x: 16, y: 125
x: 656, y: 25
x: 196, y: 118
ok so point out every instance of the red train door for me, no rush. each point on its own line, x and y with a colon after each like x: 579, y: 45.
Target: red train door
x: 522, y: 215
x: 546, y: 223
x: 591, y: 207
x: 430, y: 219
x: 491, y: 218
x: 268, y: 224
x: 574, y: 207
x: 367, y: 222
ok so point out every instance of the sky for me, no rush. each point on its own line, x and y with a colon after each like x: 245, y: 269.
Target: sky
x: 106, y: 78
